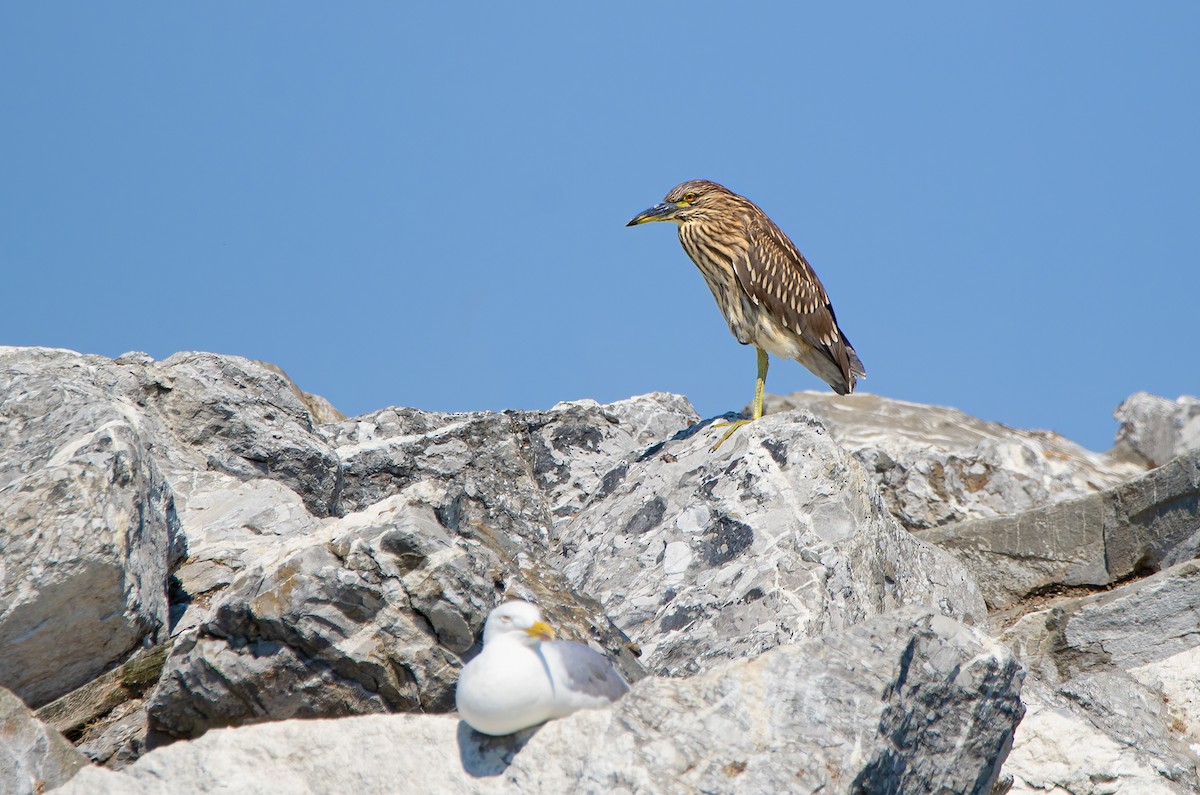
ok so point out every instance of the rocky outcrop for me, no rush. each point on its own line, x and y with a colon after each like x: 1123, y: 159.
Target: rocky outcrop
x: 1157, y: 429
x: 443, y: 515
x: 702, y: 557
x: 421, y: 520
x: 896, y: 704
x: 1135, y: 529
x: 1114, y: 703
x: 447, y: 512
x: 936, y: 465
x: 87, y: 525
x: 370, y: 613
x: 279, y: 567
x: 1094, y: 592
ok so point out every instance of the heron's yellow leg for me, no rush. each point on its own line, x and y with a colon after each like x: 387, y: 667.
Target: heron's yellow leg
x: 760, y: 386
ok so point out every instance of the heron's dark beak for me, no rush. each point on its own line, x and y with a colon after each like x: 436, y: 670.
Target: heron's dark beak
x: 659, y: 212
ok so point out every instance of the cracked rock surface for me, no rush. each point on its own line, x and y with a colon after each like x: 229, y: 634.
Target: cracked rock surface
x: 805, y: 610
x: 902, y: 703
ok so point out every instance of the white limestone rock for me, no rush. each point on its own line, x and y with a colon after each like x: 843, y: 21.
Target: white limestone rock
x: 1060, y: 751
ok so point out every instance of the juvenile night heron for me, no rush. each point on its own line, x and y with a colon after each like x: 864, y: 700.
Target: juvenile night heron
x: 769, y: 294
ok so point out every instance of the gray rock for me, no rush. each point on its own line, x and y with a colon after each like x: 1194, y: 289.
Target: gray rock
x: 232, y: 415
x: 206, y: 423
x: 937, y: 465
x: 518, y: 473
x: 97, y: 455
x: 230, y: 525
x: 87, y: 524
x: 1158, y: 429
x: 576, y: 446
x: 370, y: 613
x: 895, y: 704
x: 226, y: 453
x: 106, y: 717
x: 701, y: 557
x: 1134, y: 529
x: 200, y: 412
x: 1097, y: 665
x: 1142, y: 622
x: 33, y: 757
x: 345, y: 568
x: 118, y: 738
x: 320, y: 409
x: 1062, y: 750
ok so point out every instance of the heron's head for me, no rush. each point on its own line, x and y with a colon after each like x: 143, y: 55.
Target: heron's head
x: 695, y: 200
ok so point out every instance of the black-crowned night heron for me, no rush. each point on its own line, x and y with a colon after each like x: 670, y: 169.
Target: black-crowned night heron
x: 769, y: 294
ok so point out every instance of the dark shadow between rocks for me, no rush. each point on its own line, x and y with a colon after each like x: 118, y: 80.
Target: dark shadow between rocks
x: 484, y: 756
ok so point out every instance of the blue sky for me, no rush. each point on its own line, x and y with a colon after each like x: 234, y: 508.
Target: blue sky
x: 426, y: 206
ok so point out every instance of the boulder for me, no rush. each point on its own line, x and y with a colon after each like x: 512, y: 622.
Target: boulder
x: 936, y: 465
x: 1134, y: 529
x: 1112, y: 694
x: 517, y: 472
x: 703, y: 557
x: 88, y: 530
x: 1157, y: 429
x: 34, y: 758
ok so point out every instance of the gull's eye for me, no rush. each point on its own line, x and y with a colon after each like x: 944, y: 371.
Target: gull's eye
x: 506, y: 619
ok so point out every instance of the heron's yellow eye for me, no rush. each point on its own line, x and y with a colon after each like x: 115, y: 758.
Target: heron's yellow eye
x: 689, y: 197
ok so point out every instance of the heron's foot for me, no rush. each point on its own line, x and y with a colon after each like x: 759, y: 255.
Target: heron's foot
x: 732, y: 426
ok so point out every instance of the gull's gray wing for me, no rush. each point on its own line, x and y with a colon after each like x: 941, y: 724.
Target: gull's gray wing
x: 589, y: 672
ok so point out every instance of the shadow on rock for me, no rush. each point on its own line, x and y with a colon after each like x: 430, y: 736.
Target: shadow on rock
x: 689, y: 432
x: 484, y: 756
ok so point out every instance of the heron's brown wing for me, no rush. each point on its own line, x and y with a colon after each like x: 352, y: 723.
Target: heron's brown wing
x: 775, y: 274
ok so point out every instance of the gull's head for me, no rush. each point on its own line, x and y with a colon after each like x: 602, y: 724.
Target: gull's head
x: 518, y: 621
